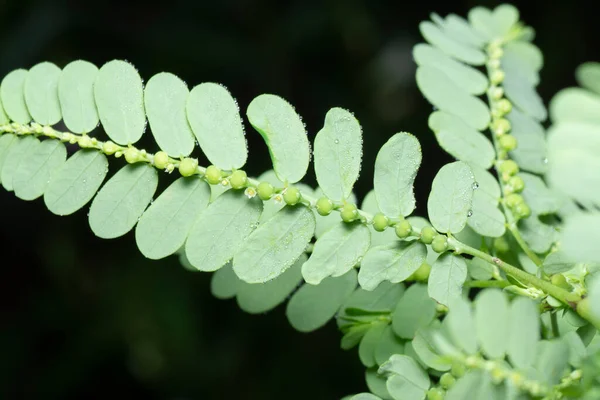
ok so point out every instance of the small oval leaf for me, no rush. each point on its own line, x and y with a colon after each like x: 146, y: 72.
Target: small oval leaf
x: 448, y: 274
x: 76, y: 95
x: 13, y: 96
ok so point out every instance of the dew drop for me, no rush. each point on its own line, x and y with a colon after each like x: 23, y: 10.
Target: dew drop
x: 475, y: 186
x: 469, y: 213
x: 545, y: 160
x: 336, y: 141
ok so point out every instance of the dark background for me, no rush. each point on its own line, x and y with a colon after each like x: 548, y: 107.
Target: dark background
x: 82, y: 317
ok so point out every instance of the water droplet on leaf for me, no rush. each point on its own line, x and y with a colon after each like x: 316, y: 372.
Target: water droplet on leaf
x: 475, y: 185
x: 469, y: 213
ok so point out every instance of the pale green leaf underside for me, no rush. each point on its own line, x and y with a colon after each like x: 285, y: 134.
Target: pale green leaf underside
x: 538, y: 196
x: 76, y: 95
x: 444, y: 94
x: 458, y: 50
x: 214, y: 117
x: 474, y: 384
x: 14, y: 158
x: 165, y: 97
x: 551, y: 360
x: 407, y: 380
x: 228, y: 220
x: 337, y: 154
x: 336, y: 252
x: 523, y: 332
x: 448, y: 274
x: 33, y: 176
x: 275, y: 245
x: 394, y: 262
x: 451, y: 197
x: 462, y: 141
x: 364, y: 396
x: 530, y: 153
x: 574, y: 105
x: 580, y: 235
x: 496, y: 23
x: 588, y: 76
x: 523, y: 58
x: 423, y: 344
x: 492, y: 332
x: 3, y: 117
x: 557, y: 262
x: 572, y: 149
x: 468, y: 78
x: 480, y: 270
x: 7, y: 140
x: 414, y: 310
x: 396, y: 167
x: 76, y: 182
x: 389, y: 344
x: 41, y: 93
x: 486, y: 218
x: 382, y: 299
x: 13, y: 96
x: 366, y: 348
x: 460, y: 29
x: 283, y: 132
x: 164, y: 226
x: 256, y: 298
x: 461, y: 325
x: 313, y: 305
x: 538, y: 235
x: 120, y: 203
x: 119, y: 95
x: 523, y: 95
x: 224, y: 283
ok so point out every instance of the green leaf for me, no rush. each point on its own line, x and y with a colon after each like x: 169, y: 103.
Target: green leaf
x: 3, y: 117
x: 523, y: 332
x: 414, y: 310
x: 369, y: 342
x: 76, y: 182
x: 505, y: 17
x: 571, y: 150
x: 479, y: 269
x: 475, y: 384
x: 557, y: 262
x: 17, y: 153
x: 569, y: 105
x: 577, y: 350
x: 523, y: 58
x: 451, y: 197
x: 224, y: 283
x: 389, y: 344
x: 394, y: 262
x: 353, y: 336
x: 13, y: 96
x: 551, y: 360
x: 406, y: 380
x: 230, y: 219
x: 214, y: 117
x: 41, y: 93
x: 523, y: 95
x: 538, y: 197
x: 539, y: 236
x: 579, y: 237
x: 468, y: 78
x: 312, y: 306
x: 256, y: 298
x: 453, y: 48
x: 461, y: 141
x: 31, y: 179
x: 486, y: 219
x: 377, y: 383
x: 396, y: 167
x: 447, y: 96
x: 483, y: 21
x: 461, y: 325
x: 448, y: 274
x: 588, y: 76
x: 76, y: 95
x: 119, y: 95
x: 336, y: 252
x: 492, y: 321
x: 275, y: 245
x: 530, y: 153
x: 283, y: 131
x: 165, y: 98
x: 369, y: 204
x: 365, y: 396
x: 7, y: 140
x: 424, y: 346
x: 338, y: 152
x: 164, y: 226
x: 122, y: 200
x: 382, y: 299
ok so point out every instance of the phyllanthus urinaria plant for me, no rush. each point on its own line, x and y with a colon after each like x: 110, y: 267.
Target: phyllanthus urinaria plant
x: 494, y: 295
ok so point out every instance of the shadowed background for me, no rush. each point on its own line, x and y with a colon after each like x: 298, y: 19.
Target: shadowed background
x: 83, y: 317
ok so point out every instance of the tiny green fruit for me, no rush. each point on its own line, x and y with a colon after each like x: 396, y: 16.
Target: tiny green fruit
x: 188, y: 166
x: 516, y: 184
x: 380, y: 222
x: 349, y: 212
x: 509, y: 167
x: 213, y: 174
x: 132, y: 155
x: 427, y: 234
x: 501, y: 245
x: 422, y: 273
x: 403, y: 229
x: 496, y: 77
x: 109, y: 148
x: 265, y: 190
x: 447, y: 380
x: 504, y: 105
x: 324, y: 206
x: 435, y: 394
x: 560, y: 281
x: 496, y: 92
x: 500, y: 126
x: 291, y: 196
x: 161, y: 159
x: 458, y: 370
x: 439, y: 243
x: 238, y: 179
x: 508, y: 142
x: 513, y: 199
x: 522, y: 211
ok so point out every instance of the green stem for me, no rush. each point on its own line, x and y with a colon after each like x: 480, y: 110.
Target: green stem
x: 487, y: 284
x: 554, y: 324
x: 512, y: 227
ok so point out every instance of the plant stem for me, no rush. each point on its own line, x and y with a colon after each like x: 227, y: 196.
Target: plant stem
x: 554, y: 324
x: 512, y: 227
x: 487, y: 284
